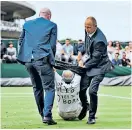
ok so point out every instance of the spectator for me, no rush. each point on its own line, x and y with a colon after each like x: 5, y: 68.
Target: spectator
x: 124, y: 60
x: 67, y: 51
x: 77, y: 46
x: 58, y: 51
x: 130, y: 52
x: 110, y: 47
x: 119, y: 51
x: 127, y: 51
x: 116, y: 60
x: 130, y: 46
x: 11, y: 54
x: 119, y: 45
x: 110, y: 50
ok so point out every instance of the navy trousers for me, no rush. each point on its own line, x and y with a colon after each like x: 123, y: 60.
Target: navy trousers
x: 93, y: 84
x: 42, y: 77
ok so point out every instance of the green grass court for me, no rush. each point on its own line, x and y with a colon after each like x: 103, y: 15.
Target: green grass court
x: 18, y: 110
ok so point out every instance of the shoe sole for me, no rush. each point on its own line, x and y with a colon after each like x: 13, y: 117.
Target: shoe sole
x: 49, y: 123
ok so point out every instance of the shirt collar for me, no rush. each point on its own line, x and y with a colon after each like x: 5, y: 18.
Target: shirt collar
x: 90, y: 35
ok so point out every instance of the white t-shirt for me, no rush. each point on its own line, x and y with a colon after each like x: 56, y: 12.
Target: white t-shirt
x: 11, y: 51
x: 58, y: 48
x: 69, y: 105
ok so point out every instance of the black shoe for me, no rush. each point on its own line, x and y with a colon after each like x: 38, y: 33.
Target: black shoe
x: 83, y: 112
x: 91, y: 121
x: 49, y: 122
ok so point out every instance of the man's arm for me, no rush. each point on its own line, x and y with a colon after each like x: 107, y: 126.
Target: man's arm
x: 96, y: 56
x: 21, y: 37
x: 53, y: 39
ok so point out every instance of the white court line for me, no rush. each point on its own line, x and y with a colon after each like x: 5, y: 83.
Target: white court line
x: 31, y: 94
x: 106, y: 95
x: 16, y: 93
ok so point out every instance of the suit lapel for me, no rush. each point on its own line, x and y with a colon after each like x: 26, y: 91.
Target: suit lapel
x: 92, y: 39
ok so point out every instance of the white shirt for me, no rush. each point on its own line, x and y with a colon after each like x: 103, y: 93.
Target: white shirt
x: 58, y: 48
x: 90, y: 35
x: 11, y: 51
x: 68, y: 97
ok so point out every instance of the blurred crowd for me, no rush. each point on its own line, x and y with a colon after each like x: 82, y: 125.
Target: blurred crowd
x: 117, y: 54
x: 121, y: 56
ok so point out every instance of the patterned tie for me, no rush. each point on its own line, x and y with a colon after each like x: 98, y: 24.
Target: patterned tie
x: 88, y: 40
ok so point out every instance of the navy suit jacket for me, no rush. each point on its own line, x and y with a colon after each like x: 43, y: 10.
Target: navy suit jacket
x: 37, y: 40
x: 98, y: 62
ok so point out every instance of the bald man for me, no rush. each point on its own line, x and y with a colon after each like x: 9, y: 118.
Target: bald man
x: 37, y: 50
x: 97, y: 63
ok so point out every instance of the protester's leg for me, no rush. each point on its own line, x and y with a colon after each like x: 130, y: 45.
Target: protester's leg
x: 37, y: 87
x: 47, y: 77
x: 93, y: 89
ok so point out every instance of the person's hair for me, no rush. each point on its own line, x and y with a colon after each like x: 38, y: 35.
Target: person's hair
x: 117, y: 53
x: 117, y: 42
x: 124, y: 53
x: 68, y: 39
x: 93, y: 20
x: 10, y: 43
x: 111, y: 42
x: 80, y: 40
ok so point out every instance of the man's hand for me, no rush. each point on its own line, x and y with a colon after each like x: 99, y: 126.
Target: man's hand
x: 80, y: 63
x: 54, y: 69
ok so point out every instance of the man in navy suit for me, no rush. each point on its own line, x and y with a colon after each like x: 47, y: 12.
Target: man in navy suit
x: 37, y: 50
x: 97, y: 63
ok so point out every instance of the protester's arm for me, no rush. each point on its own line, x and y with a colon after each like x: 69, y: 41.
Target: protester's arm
x: 98, y: 52
x: 21, y: 37
x: 53, y: 38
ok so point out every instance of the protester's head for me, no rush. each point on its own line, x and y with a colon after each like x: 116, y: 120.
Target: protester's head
x: 45, y: 13
x: 67, y: 41
x: 123, y: 55
x: 67, y: 76
x: 118, y: 45
x: 80, y: 41
x: 110, y: 43
x: 90, y: 25
x: 10, y: 44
